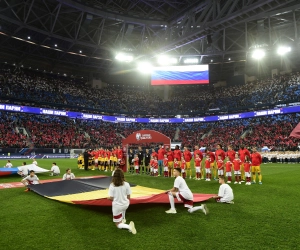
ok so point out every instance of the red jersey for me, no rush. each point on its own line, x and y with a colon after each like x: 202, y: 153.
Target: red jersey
x: 211, y: 156
x: 136, y: 161
x: 155, y: 164
x: 220, y: 152
x: 220, y: 164
x: 177, y: 154
x: 108, y: 153
x: 237, y: 164
x: 101, y: 152
x: 151, y: 162
x: 161, y: 153
x: 166, y: 162
x: 183, y: 164
x: 187, y: 155
x: 176, y: 164
x: 243, y: 153
x: 197, y: 162
x: 198, y: 152
x: 228, y: 166
x: 256, y: 159
x: 119, y: 153
x: 207, y: 163
x: 154, y: 154
x: 170, y: 155
x: 231, y: 154
x: 247, y: 166
x: 97, y: 154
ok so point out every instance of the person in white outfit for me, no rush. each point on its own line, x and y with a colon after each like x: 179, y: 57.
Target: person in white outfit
x: 55, y: 169
x: 181, y: 192
x: 119, y: 193
x: 225, y: 194
x: 68, y: 175
x: 8, y: 164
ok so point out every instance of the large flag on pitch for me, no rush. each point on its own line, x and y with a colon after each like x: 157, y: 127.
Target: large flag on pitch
x: 94, y: 191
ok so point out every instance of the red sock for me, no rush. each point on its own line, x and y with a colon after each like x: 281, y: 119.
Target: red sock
x: 240, y: 178
x: 200, y: 175
x: 209, y: 176
x: 197, y: 175
x: 206, y: 176
x: 136, y: 170
x: 229, y: 178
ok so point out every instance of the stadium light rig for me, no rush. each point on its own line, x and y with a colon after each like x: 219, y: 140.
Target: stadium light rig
x: 283, y: 50
x: 124, y: 57
x: 258, y: 54
x: 191, y: 61
x: 144, y: 67
x: 165, y: 60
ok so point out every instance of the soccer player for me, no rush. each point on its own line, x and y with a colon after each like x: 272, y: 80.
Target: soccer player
x: 177, y: 154
x: 54, y: 169
x: 31, y: 179
x: 187, y: 157
x: 225, y: 194
x: 119, y: 154
x: 80, y: 163
x: 170, y: 155
x: 198, y: 161
x: 208, y: 167
x: 160, y: 156
x: 183, y: 167
x: 243, y: 152
x: 219, y: 152
x: 220, y: 165
x: 8, y: 164
x: 119, y: 193
x: 230, y: 153
x: 237, y: 169
x: 68, y: 175
x: 247, y: 169
x: 166, y: 169
x: 176, y: 163
x: 256, y: 161
x: 182, y: 192
x: 135, y: 161
x: 228, y: 166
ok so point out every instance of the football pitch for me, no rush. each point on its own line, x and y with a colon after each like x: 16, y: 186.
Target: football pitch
x: 263, y: 216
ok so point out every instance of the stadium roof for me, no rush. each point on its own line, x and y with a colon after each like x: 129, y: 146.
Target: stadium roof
x: 84, y: 35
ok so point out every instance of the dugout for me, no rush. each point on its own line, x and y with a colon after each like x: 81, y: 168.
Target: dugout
x: 143, y: 137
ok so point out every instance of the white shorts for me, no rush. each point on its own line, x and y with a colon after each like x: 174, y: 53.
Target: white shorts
x: 207, y: 170
x: 166, y: 169
x: 155, y: 170
x: 247, y: 174
x: 136, y: 167
x: 220, y: 172
x: 228, y: 173
x: 182, y: 170
x: 237, y: 172
x: 96, y: 161
x: 197, y: 169
x: 117, y: 211
x: 186, y: 198
x: 151, y: 169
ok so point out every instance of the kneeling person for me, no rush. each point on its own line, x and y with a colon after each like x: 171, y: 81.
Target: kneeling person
x: 225, y: 194
x: 182, y: 192
x: 31, y: 179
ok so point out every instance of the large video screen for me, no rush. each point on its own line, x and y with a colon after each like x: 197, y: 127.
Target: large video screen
x: 175, y: 75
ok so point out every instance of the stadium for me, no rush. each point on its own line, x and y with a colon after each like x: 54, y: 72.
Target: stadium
x: 110, y: 79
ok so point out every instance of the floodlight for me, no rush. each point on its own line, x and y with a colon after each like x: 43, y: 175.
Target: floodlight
x: 124, y: 57
x: 283, y: 50
x: 191, y: 61
x: 165, y: 60
x: 258, y: 54
x: 144, y: 67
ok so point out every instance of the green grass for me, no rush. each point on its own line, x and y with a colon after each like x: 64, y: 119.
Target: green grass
x: 263, y: 217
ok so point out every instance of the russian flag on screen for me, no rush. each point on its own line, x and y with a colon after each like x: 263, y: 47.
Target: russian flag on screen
x: 172, y: 75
